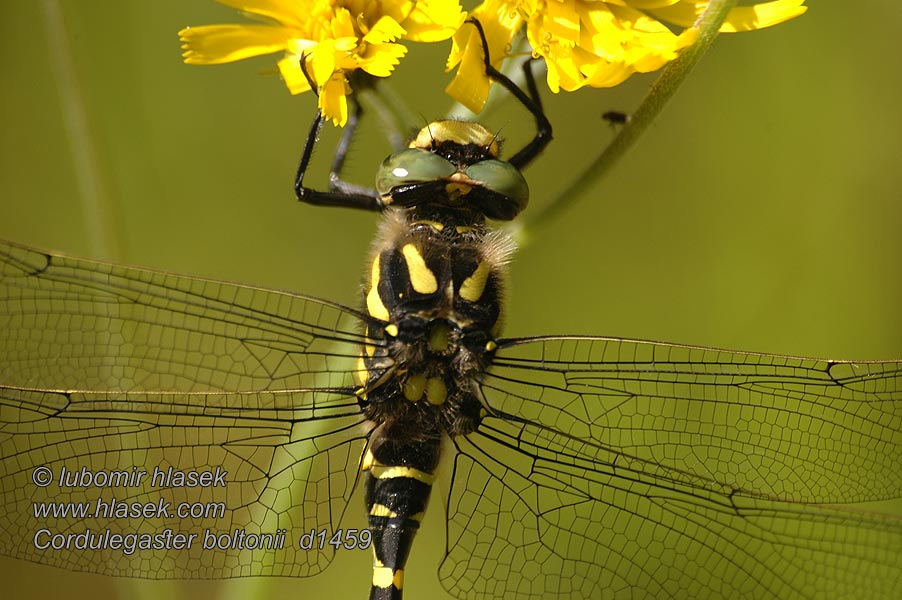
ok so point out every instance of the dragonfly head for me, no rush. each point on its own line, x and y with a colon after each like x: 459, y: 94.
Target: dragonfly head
x: 454, y: 164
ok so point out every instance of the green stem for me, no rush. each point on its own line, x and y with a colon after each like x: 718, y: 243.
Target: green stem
x: 669, y: 81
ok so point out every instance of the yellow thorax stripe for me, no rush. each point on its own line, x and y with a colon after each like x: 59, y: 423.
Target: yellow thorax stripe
x: 474, y: 285
x: 374, y: 303
x: 421, y: 277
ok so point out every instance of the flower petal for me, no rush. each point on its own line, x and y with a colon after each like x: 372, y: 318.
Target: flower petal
x: 747, y: 18
x: 292, y: 75
x: 331, y: 37
x: 600, y: 44
x: 650, y: 4
x: 381, y: 59
x: 217, y: 44
x: 322, y: 59
x: 741, y: 18
x: 342, y: 24
x: 386, y: 29
x: 470, y: 85
x: 333, y: 100
x: 293, y: 13
x: 433, y: 20
x: 561, y: 21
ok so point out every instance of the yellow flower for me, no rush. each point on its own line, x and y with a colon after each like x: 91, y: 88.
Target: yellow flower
x: 598, y: 43
x: 335, y: 37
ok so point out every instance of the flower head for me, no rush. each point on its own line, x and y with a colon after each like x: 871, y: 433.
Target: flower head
x: 333, y: 37
x: 596, y: 43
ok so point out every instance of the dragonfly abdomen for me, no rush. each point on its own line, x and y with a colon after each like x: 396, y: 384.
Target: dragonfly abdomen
x: 399, y: 478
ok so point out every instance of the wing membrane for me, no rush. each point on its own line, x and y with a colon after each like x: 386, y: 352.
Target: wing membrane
x: 797, y: 429
x: 111, y: 370
x: 606, y: 467
x: 618, y: 468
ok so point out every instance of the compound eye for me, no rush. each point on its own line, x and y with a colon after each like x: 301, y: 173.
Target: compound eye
x: 411, y: 166
x: 502, y: 178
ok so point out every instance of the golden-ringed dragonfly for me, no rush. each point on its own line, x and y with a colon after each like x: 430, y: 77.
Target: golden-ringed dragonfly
x: 579, y: 467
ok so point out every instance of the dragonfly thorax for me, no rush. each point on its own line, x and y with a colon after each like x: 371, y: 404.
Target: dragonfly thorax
x: 434, y: 293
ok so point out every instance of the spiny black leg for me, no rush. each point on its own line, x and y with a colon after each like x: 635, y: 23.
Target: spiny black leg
x: 312, y: 135
x: 531, y: 84
x: 543, y: 125
x: 336, y: 184
x: 344, y: 195
x: 532, y: 103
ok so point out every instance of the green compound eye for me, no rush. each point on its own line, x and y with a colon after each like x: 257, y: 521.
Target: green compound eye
x: 503, y: 179
x: 411, y: 166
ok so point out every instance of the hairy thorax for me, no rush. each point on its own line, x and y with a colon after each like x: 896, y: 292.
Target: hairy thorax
x: 434, y: 293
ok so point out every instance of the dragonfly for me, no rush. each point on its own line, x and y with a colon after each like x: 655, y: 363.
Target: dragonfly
x: 594, y: 466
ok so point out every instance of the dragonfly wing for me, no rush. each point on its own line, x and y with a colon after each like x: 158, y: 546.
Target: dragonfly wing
x: 614, y: 468
x: 108, y: 371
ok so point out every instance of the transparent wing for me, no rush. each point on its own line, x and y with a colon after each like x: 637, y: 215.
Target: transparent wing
x: 107, y: 372
x: 615, y: 468
x: 609, y: 467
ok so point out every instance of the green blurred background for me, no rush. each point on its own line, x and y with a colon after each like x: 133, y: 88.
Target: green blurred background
x: 761, y: 212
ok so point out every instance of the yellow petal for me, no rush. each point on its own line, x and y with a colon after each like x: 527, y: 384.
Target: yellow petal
x: 342, y: 24
x: 293, y: 13
x: 217, y: 44
x: 683, y: 13
x: 381, y: 59
x: 471, y: 85
x: 333, y: 100
x: 603, y: 75
x: 433, y: 20
x: 322, y: 59
x: 561, y: 21
x: 563, y: 72
x: 649, y: 4
x: 396, y: 9
x: 459, y: 42
x: 292, y: 75
x: 386, y: 29
x: 747, y: 18
x: 602, y: 32
x: 345, y: 45
x: 742, y: 18
x: 499, y: 21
